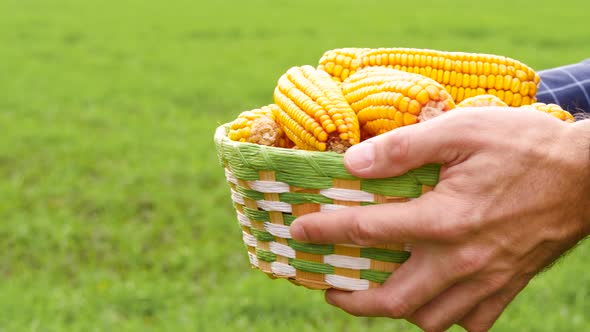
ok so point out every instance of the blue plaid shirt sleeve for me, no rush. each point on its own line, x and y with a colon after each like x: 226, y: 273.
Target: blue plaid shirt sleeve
x: 567, y: 86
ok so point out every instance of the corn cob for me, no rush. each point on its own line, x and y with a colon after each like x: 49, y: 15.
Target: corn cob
x: 313, y: 112
x: 341, y: 62
x: 482, y: 100
x: 462, y: 74
x: 385, y: 99
x: 552, y: 109
x: 259, y: 126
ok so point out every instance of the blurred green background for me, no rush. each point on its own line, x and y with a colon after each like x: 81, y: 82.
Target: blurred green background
x: 114, y: 214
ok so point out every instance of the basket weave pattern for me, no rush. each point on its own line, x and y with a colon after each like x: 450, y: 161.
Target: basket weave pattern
x: 270, y: 187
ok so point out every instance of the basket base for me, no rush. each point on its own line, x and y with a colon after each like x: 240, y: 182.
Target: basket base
x: 310, y: 284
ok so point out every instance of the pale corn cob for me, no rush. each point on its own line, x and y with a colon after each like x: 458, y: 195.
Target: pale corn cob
x: 462, y: 74
x: 259, y: 126
x: 552, y: 109
x: 313, y: 112
x: 482, y: 100
x: 385, y: 99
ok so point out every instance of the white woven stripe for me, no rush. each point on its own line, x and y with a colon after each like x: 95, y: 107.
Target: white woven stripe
x: 277, y: 230
x: 244, y: 220
x: 269, y: 186
x: 237, y: 198
x: 347, y: 262
x: 407, y: 247
x: 282, y: 250
x: 346, y: 282
x: 348, y: 195
x: 249, y: 239
x: 230, y: 177
x: 330, y: 207
x: 282, y: 269
x: 265, y: 205
x: 253, y: 259
x: 274, y: 206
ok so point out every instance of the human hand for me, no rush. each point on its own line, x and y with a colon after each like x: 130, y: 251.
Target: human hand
x: 513, y: 196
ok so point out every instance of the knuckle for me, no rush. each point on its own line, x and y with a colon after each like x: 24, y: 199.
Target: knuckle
x: 497, y: 282
x: 468, y: 262
x: 360, y: 232
x: 456, y: 224
x: 397, y: 308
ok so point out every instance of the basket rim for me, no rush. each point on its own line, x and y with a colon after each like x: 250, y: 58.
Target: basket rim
x: 310, y: 169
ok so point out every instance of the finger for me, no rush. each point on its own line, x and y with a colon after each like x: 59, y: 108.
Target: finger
x: 452, y: 305
x: 406, y: 148
x: 485, y: 314
x: 411, y: 221
x: 414, y: 284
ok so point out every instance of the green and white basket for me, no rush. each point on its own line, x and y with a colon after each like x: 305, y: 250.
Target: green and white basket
x: 270, y: 187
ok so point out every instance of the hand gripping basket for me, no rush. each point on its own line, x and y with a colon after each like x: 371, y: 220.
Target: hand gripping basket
x: 270, y: 187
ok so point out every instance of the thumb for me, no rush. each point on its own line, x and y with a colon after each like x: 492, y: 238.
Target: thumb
x: 440, y: 140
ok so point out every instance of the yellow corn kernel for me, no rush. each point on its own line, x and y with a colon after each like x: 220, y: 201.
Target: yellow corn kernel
x: 343, y: 62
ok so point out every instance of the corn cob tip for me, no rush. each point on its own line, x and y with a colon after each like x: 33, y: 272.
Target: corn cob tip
x: 482, y: 100
x: 432, y: 109
x: 264, y: 131
x: 338, y: 145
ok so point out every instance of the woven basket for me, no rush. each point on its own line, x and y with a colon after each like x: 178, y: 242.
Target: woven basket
x: 270, y: 187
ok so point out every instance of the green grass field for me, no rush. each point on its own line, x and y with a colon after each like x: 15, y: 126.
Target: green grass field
x: 114, y: 214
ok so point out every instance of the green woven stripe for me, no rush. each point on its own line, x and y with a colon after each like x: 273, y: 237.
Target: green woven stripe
x: 308, y: 266
x: 256, y: 215
x: 266, y: 256
x: 244, y: 173
x: 402, y: 186
x: 384, y: 255
x: 309, y: 181
x: 262, y: 235
x: 318, y: 249
x: 260, y: 215
x: 249, y: 193
x: 427, y: 174
x: 288, y: 219
x: 376, y: 276
x: 300, y: 198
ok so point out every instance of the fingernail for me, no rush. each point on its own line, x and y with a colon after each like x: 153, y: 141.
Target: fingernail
x: 360, y: 156
x: 297, y: 232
